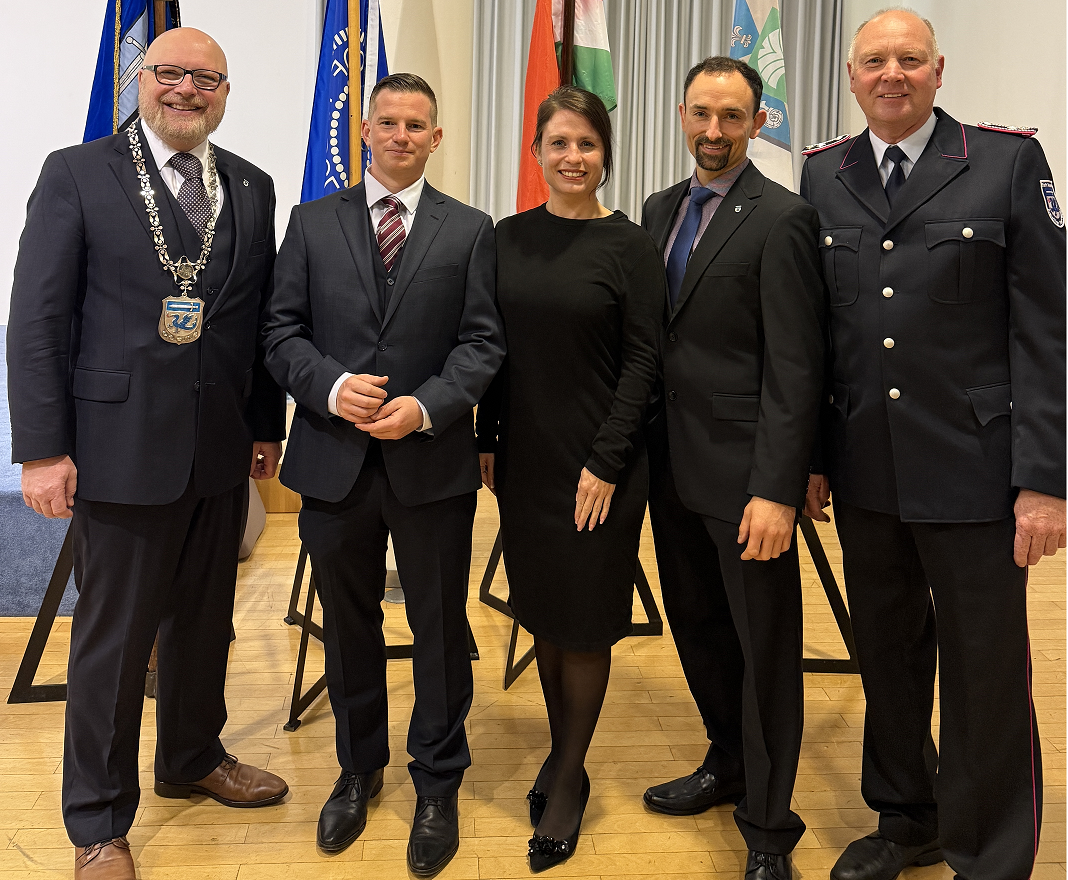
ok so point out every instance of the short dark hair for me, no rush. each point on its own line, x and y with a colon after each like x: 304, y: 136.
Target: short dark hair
x: 409, y: 83
x: 721, y: 65
x: 589, y: 107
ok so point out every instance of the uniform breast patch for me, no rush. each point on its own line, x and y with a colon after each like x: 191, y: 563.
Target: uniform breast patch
x: 1053, y: 208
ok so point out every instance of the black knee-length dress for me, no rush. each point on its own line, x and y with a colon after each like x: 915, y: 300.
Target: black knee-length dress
x: 582, y: 302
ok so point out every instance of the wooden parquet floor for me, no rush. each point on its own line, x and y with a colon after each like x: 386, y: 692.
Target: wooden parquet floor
x: 649, y: 732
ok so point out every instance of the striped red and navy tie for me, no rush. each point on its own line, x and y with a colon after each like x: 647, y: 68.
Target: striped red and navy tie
x: 390, y: 232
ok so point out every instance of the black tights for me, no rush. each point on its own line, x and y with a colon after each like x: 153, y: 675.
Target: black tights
x: 574, y: 685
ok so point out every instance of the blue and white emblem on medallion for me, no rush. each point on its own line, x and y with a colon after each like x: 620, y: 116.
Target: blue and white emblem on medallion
x: 1053, y: 208
x: 180, y: 321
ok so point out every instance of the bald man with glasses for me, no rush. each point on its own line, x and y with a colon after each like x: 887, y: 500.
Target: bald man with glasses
x: 139, y: 408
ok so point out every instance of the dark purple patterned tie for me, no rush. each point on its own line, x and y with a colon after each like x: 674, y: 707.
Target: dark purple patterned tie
x: 390, y: 232
x: 192, y: 196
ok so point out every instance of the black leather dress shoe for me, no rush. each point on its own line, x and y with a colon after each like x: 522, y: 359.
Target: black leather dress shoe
x: 876, y: 858
x: 694, y: 793
x: 767, y: 866
x: 344, y: 814
x: 435, y: 835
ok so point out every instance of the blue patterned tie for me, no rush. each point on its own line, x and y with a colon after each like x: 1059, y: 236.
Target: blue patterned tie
x: 680, y: 250
x: 896, y: 180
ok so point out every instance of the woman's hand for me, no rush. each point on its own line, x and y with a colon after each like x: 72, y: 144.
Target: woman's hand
x: 592, y: 500
x: 485, y: 468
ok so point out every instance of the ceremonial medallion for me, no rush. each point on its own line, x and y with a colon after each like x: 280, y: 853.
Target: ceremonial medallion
x: 180, y: 320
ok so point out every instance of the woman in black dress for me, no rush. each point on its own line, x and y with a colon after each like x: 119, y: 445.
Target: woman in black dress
x: 581, y: 290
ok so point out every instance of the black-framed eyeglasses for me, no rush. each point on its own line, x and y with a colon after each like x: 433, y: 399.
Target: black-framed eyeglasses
x: 172, y: 75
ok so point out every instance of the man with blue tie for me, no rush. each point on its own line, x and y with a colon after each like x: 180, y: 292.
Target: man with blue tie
x: 729, y: 450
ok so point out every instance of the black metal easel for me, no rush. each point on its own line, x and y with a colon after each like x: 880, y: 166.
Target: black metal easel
x: 654, y: 625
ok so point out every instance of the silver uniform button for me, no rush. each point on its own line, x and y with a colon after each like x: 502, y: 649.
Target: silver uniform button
x: 888, y: 245
x: 888, y: 342
x: 888, y: 292
x: 967, y: 232
x: 828, y: 240
x: 894, y: 394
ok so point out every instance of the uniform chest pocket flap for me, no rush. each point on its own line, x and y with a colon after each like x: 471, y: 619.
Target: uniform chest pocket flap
x: 964, y: 254
x: 840, y: 250
x: 105, y: 386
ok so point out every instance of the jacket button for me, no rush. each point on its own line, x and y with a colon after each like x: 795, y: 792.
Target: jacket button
x: 672, y: 337
x: 967, y: 232
x: 894, y: 394
x: 196, y: 385
x: 389, y: 281
x: 888, y: 292
x: 382, y: 346
x: 828, y: 241
x: 888, y: 342
x: 888, y: 245
x: 672, y: 395
x: 207, y: 325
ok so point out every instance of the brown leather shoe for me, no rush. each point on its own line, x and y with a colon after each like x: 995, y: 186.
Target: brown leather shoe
x: 231, y: 784
x: 107, y: 860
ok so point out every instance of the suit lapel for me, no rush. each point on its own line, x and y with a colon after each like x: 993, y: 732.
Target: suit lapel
x: 730, y: 214
x: 241, y: 208
x: 944, y: 158
x: 429, y: 216
x: 123, y: 167
x: 355, y: 222
x: 860, y: 175
x: 673, y: 198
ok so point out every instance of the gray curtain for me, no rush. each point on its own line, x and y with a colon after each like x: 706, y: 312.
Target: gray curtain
x: 654, y: 43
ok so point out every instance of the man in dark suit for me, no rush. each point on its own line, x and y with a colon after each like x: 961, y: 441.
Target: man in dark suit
x: 137, y: 405
x: 383, y: 328
x: 944, y: 251
x: 729, y: 454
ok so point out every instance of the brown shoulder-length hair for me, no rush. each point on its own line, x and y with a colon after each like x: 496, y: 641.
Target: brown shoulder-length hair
x: 589, y: 107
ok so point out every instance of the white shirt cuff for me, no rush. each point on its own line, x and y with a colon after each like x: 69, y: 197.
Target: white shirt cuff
x: 331, y: 403
x: 427, y: 425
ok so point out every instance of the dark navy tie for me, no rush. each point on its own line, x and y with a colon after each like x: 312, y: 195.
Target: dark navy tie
x: 896, y: 180
x: 192, y: 195
x: 680, y: 250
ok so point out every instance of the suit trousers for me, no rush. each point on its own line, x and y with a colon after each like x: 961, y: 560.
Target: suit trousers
x: 737, y: 627
x: 922, y: 594
x: 139, y: 569
x: 432, y: 543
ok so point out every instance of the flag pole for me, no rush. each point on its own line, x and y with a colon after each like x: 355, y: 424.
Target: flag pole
x: 355, y: 95
x: 567, y: 48
x: 159, y: 16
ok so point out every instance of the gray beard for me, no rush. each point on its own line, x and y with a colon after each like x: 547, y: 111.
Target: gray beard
x: 198, y: 130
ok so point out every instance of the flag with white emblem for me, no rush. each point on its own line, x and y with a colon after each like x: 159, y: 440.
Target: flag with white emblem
x: 327, y: 166
x: 756, y: 38
x: 129, y: 26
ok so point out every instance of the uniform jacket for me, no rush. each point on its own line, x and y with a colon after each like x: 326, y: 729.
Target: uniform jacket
x: 955, y: 299
x: 89, y: 375
x: 743, y: 350
x: 440, y: 339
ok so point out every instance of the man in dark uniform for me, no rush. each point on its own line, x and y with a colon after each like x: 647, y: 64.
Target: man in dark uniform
x: 729, y: 452
x: 944, y: 254
x: 139, y: 405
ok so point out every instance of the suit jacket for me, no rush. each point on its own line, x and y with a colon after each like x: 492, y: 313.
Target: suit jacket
x: 743, y: 350
x: 440, y: 339
x: 89, y: 375
x: 965, y: 279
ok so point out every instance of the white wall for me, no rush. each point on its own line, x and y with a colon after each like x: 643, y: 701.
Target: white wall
x: 1005, y: 63
x: 272, y: 47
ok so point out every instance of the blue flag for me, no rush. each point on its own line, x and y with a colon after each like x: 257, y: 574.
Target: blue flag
x: 129, y: 26
x: 326, y: 168
x: 756, y: 38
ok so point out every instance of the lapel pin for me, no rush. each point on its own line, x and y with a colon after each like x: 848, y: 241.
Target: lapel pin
x: 244, y: 182
x: 737, y: 209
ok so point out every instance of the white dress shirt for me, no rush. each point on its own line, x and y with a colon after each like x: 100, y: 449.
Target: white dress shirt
x: 409, y: 199
x: 162, y: 153
x: 912, y: 146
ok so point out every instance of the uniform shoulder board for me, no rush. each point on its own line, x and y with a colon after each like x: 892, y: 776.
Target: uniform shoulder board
x: 826, y: 145
x: 1022, y: 131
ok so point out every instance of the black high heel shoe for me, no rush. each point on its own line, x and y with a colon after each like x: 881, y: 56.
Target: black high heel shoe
x: 538, y: 798
x: 545, y: 852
